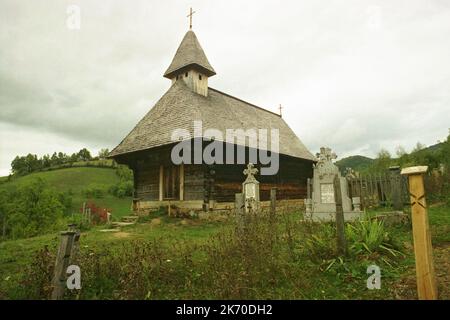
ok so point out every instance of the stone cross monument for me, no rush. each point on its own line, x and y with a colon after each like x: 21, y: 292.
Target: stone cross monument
x: 322, y: 206
x: 250, y: 188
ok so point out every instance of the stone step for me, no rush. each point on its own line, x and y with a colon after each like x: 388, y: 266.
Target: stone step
x: 109, y: 230
x: 130, y: 218
x: 122, y: 224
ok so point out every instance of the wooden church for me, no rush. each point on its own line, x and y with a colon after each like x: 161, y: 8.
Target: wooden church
x: 147, y: 149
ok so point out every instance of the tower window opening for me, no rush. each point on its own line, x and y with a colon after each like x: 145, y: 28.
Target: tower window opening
x: 199, y: 77
x: 186, y: 74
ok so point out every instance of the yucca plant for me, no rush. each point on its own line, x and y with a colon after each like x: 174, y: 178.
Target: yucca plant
x: 370, y: 236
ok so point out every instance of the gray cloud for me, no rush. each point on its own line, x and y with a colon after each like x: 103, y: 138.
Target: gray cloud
x: 354, y: 75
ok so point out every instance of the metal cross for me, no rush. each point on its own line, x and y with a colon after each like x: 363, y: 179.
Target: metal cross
x: 280, y: 107
x: 190, y: 18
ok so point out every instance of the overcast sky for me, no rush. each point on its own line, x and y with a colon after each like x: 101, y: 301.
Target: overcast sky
x: 352, y: 75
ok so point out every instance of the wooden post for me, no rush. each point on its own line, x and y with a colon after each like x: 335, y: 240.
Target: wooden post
x: 273, y: 199
x: 63, y: 257
x: 396, y: 187
x: 382, y: 197
x: 370, y: 189
x: 426, y: 280
x: 340, y: 226
x: 161, y: 178
x: 89, y: 216
x: 182, y: 182
x: 363, y: 201
x: 84, y: 209
x: 239, y: 204
x: 308, y: 188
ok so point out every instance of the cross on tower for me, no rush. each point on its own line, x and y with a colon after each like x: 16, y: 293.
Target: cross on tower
x: 280, y: 107
x: 190, y: 18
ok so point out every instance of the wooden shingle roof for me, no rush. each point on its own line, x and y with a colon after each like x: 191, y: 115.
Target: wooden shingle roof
x: 179, y: 107
x: 189, y: 54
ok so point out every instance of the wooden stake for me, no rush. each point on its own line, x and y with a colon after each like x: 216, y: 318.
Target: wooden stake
x: 161, y: 177
x: 340, y: 226
x: 382, y: 197
x: 426, y: 280
x: 273, y: 199
x: 363, y: 201
x: 396, y: 187
x: 239, y: 207
x: 182, y: 182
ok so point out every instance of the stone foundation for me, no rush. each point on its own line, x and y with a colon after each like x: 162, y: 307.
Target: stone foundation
x: 327, y: 216
x: 185, y: 208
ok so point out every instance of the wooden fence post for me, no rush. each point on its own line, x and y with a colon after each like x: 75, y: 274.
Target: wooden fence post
x: 426, y: 280
x: 239, y: 207
x: 340, y: 226
x: 273, y: 199
x: 68, y: 239
x: 396, y: 186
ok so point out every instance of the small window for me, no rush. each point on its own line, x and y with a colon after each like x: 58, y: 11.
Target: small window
x: 199, y: 77
x: 186, y: 74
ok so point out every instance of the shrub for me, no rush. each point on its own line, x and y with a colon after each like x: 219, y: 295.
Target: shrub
x: 32, y: 209
x: 122, y: 189
x: 94, y: 192
x: 124, y: 173
x: 320, y: 240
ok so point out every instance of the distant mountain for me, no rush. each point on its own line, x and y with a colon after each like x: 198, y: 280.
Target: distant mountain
x: 357, y: 163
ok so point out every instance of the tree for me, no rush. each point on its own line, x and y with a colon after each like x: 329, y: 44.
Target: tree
x: 73, y: 157
x: 84, y: 155
x: 62, y: 157
x: 46, y: 161
x: 400, y: 151
x: 382, y: 161
x: 445, y: 155
x: 35, y: 209
x: 54, y: 159
x: 103, y: 153
x: 19, y: 166
x: 419, y: 146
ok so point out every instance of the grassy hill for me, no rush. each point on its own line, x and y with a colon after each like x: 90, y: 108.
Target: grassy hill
x: 357, y: 163
x: 76, y: 181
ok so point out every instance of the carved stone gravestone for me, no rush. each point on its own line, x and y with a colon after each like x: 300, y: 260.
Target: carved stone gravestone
x: 250, y: 189
x: 322, y: 206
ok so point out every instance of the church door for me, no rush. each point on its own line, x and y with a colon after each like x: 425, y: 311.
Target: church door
x: 171, y: 182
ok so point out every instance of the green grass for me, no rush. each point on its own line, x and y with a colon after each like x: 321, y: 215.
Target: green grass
x: 74, y: 179
x: 440, y: 224
x: 345, y: 280
x: 16, y: 255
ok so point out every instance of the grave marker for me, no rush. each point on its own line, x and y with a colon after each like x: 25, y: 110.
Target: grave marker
x: 67, y: 249
x: 250, y: 189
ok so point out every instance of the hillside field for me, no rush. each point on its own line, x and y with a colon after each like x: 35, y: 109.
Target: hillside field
x: 76, y: 180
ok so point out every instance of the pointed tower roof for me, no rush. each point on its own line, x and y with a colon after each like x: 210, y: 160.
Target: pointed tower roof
x: 189, y: 54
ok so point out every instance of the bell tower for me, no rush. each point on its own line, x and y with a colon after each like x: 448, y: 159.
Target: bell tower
x: 190, y: 64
